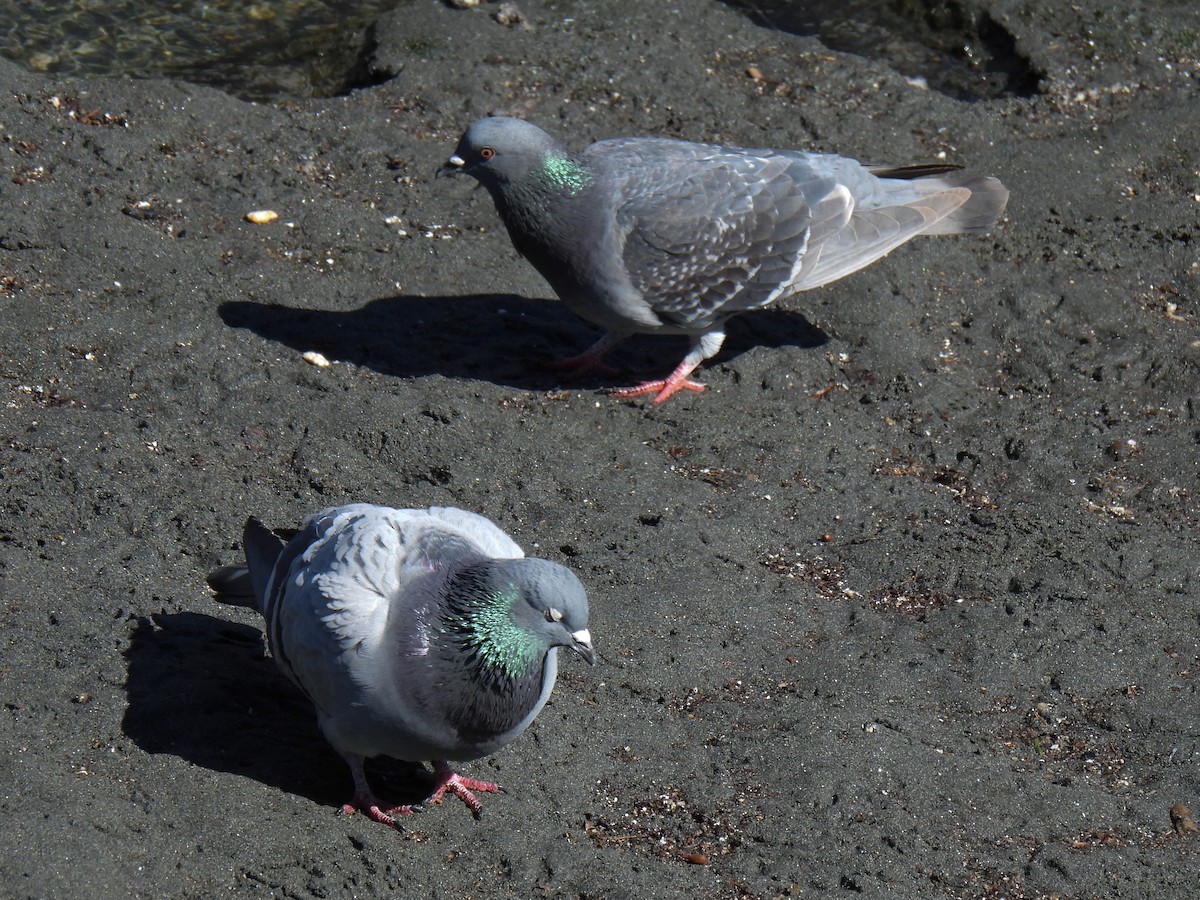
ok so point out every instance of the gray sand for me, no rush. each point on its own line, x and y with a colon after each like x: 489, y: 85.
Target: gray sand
x: 905, y: 604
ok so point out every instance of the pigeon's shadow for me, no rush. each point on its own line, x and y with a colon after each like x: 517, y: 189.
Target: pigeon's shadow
x: 502, y: 338
x: 203, y: 689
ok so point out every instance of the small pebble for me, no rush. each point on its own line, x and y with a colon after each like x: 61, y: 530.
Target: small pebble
x: 1182, y: 821
x: 508, y: 15
x: 316, y: 359
x: 262, y: 216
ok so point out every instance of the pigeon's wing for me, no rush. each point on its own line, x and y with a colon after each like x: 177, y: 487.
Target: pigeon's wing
x: 889, y: 207
x: 327, y: 605
x: 871, y: 234
x: 451, y: 527
x: 709, y: 232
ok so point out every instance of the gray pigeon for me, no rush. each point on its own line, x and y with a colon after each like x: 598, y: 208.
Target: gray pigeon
x: 419, y: 634
x: 666, y: 236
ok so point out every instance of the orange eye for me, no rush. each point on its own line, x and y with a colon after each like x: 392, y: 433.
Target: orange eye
x: 486, y: 153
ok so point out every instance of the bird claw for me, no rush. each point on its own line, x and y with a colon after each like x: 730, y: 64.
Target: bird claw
x: 462, y: 787
x: 662, y: 388
x: 383, y: 813
x: 579, y: 365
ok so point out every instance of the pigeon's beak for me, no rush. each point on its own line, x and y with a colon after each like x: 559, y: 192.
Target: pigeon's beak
x: 582, y: 644
x: 452, y: 166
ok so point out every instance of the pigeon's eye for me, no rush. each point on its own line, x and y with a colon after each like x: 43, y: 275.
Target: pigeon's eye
x: 553, y: 615
x: 486, y: 152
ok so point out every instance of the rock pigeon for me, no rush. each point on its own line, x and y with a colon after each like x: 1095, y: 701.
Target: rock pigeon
x: 419, y: 634
x: 667, y: 236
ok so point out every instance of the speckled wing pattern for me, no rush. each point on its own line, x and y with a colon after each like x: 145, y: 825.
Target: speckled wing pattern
x: 710, y: 232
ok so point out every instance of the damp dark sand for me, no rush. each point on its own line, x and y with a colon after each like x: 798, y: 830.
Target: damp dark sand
x: 905, y: 604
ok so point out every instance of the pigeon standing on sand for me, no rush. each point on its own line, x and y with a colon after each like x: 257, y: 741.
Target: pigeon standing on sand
x: 419, y: 634
x: 666, y: 236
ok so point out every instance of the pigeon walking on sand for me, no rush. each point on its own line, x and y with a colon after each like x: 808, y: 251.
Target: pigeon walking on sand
x: 419, y: 634
x: 650, y: 235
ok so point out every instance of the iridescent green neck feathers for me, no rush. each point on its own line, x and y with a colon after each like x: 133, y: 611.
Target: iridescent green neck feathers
x: 481, y: 624
x: 564, y: 173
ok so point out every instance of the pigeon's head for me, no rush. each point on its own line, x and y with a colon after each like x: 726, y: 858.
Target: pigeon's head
x: 501, y: 150
x: 510, y: 612
x: 552, y: 604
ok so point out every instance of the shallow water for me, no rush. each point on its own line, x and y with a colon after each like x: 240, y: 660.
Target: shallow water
x: 257, y: 50
x: 955, y: 49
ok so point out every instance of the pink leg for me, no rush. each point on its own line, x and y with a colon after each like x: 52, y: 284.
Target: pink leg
x: 664, y: 387
x: 591, y: 359
x: 449, y: 780
x: 705, y: 346
x: 365, y: 801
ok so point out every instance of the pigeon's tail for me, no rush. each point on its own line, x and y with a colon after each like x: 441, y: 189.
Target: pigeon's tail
x: 233, y: 585
x: 245, y: 584
x: 263, y: 548
x: 980, y: 212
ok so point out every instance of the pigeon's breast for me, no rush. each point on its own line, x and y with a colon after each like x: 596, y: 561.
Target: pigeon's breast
x: 498, y: 712
x: 453, y: 722
x: 572, y: 241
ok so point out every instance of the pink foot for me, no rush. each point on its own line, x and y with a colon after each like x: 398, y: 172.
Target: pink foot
x: 582, y: 364
x: 380, y: 812
x: 664, y: 387
x: 460, y: 786
x: 590, y: 360
x: 677, y: 380
x: 365, y: 801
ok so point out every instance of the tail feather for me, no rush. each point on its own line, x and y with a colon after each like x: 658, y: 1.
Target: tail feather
x: 920, y: 170
x: 980, y: 212
x: 245, y: 584
x: 232, y: 585
x: 262, y: 547
x: 983, y: 210
x: 873, y: 233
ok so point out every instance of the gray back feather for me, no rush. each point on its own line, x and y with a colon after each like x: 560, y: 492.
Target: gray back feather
x: 707, y: 231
